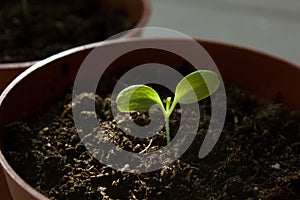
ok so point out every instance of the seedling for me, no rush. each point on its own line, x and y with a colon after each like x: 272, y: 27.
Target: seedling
x: 192, y: 88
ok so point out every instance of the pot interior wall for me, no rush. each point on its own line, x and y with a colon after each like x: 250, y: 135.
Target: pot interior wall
x: 265, y: 76
x: 262, y: 75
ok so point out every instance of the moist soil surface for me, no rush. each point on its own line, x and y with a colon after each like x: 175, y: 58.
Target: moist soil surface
x: 256, y: 157
x: 54, y: 26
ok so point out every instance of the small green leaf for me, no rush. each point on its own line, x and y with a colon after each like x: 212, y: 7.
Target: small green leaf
x: 196, y: 86
x: 137, y: 97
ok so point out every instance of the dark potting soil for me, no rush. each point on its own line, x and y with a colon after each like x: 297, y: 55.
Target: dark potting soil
x: 54, y: 26
x: 256, y: 157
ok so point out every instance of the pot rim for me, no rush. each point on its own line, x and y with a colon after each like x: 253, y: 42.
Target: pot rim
x: 3, y: 162
x: 131, y: 33
x: 142, y: 21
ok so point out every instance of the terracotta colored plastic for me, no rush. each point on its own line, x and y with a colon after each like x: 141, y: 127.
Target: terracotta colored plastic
x: 137, y: 10
x: 268, y: 77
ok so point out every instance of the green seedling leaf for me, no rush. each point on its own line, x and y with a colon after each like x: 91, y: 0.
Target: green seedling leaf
x: 192, y: 88
x: 137, y: 97
x: 196, y: 86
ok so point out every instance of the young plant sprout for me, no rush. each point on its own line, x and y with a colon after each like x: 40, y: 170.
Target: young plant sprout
x: 192, y: 88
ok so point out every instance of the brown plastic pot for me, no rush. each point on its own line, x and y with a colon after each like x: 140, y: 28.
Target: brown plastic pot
x: 136, y: 10
x: 267, y: 77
